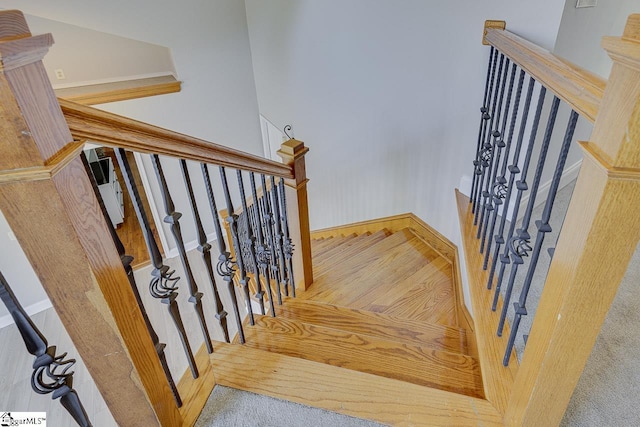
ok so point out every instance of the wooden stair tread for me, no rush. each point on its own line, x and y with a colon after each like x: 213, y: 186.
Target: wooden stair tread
x: 427, y: 295
x: 405, y: 362
x: 327, y: 260
x: 320, y: 245
x: 336, y: 242
x: 373, y: 270
x: 391, y: 328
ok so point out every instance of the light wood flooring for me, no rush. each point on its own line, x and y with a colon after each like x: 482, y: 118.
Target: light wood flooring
x: 381, y: 304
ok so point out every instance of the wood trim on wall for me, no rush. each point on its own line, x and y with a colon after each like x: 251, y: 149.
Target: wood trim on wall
x: 104, y: 93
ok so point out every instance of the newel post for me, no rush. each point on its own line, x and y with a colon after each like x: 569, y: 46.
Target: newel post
x: 292, y: 153
x: 48, y: 200
x: 599, y: 235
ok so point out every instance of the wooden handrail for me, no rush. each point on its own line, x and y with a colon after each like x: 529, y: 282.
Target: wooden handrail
x: 88, y: 123
x: 579, y: 88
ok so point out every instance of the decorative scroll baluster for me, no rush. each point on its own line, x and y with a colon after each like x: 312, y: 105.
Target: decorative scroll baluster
x: 126, y: 263
x: 261, y: 250
x: 232, y: 219
x: 498, y: 187
x: 543, y: 228
x: 521, y: 186
x: 225, y: 266
x: 271, y: 238
x: 499, y: 142
x: 286, y: 241
x: 519, y: 245
x: 163, y: 285
x: 205, y: 249
x: 486, y: 152
x: 56, y: 368
x: 173, y: 219
x: 279, y: 237
x: 513, y: 171
x: 484, y: 118
x: 251, y: 244
x: 494, y: 138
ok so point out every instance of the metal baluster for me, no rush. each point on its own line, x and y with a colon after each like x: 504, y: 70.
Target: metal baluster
x: 493, y: 138
x: 484, y: 117
x: 225, y: 266
x: 486, y: 154
x: 173, y: 219
x: 498, y: 188
x: 261, y: 249
x: 287, y: 244
x: 499, y: 143
x: 251, y: 244
x: 126, y: 263
x: 519, y: 245
x: 232, y: 219
x: 163, y: 284
x: 543, y: 228
x: 521, y: 186
x: 55, y: 367
x: 205, y: 249
x: 279, y: 236
x: 271, y: 238
x: 513, y: 171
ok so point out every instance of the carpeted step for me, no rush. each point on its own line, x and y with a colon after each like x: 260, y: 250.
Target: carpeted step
x: 410, y: 363
x: 438, y: 337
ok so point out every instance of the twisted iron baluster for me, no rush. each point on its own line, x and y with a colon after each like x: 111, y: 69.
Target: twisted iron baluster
x: 59, y: 380
x: 205, y: 249
x: 232, y: 219
x: 543, y: 228
x: 522, y: 240
x: 279, y: 244
x: 262, y: 251
x: 126, y: 263
x: 286, y: 242
x: 225, y: 266
x: 496, y: 137
x: 521, y: 186
x: 499, y: 191
x: 271, y: 238
x: 173, y: 219
x: 251, y: 244
x: 513, y: 171
x: 484, y: 117
x: 500, y: 144
x: 486, y: 154
x: 163, y: 285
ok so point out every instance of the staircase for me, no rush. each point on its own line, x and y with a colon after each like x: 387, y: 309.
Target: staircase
x: 383, y: 303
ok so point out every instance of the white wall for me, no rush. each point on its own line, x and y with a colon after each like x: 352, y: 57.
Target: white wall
x: 385, y: 94
x: 210, y: 47
x: 581, y: 31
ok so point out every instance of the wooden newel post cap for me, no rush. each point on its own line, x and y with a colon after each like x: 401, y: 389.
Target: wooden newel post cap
x: 17, y: 46
x: 291, y: 150
x: 499, y: 25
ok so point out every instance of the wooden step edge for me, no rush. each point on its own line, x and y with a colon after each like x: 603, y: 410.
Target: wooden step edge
x: 325, y: 243
x: 381, y: 326
x: 409, y: 362
x: 344, y: 391
x: 381, y: 247
x: 497, y: 379
x: 336, y: 245
x: 326, y: 260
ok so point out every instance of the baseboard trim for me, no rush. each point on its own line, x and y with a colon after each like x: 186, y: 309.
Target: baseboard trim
x: 32, y: 309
